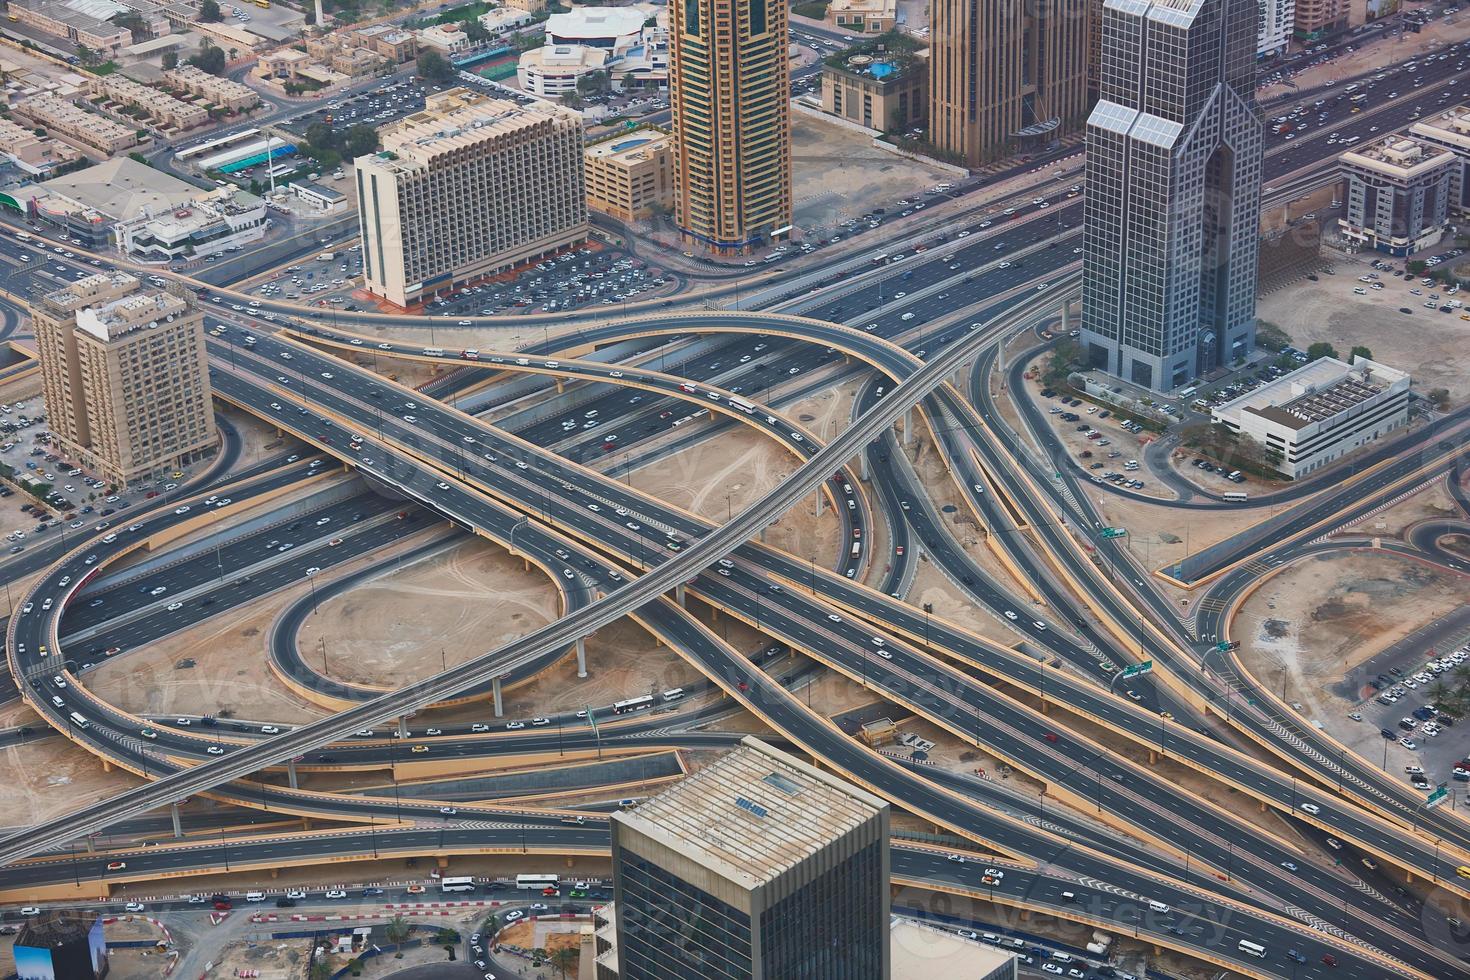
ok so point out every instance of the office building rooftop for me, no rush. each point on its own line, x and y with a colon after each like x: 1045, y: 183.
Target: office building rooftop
x: 753, y: 814
x: 458, y: 119
x: 1316, y: 392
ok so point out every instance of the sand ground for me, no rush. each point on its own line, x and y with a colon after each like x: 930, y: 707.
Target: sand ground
x: 52, y: 777
x: 1309, y: 624
x: 839, y: 174
x: 448, y: 608
x: 1433, y: 347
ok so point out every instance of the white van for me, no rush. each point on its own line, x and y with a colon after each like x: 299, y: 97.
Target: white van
x: 1157, y: 906
x: 79, y: 721
x: 255, y: 896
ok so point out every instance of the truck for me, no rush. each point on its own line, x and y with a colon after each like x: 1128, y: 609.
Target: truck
x: 327, y: 256
x: 1100, y: 943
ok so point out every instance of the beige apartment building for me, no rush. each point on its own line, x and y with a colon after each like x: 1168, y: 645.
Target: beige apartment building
x: 79, y: 125
x: 468, y: 187
x: 223, y: 92
x: 78, y: 26
x: 1006, y: 78
x: 871, y: 16
x: 125, y: 376
x: 631, y: 177
x: 162, y: 108
x: 36, y: 155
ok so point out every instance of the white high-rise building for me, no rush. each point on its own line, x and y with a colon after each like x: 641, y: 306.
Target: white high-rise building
x: 1278, y: 17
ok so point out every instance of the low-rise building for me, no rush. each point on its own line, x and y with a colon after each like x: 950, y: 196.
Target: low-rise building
x: 38, y: 156
x: 503, y: 19
x: 553, y: 70
x: 447, y: 39
x: 322, y: 199
x: 211, y: 223
x: 85, y: 24
x: 163, y: 109
x: 1320, y: 412
x: 530, y: 6
x: 631, y: 177
x: 85, y: 204
x: 223, y: 92
x: 394, y: 43
x: 882, y: 91
x: 77, y: 124
x: 869, y: 16
x: 1398, y: 194
x: 612, y: 29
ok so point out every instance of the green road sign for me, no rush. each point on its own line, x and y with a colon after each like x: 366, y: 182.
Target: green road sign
x: 1114, y: 532
x: 1135, y: 670
x: 1437, y: 797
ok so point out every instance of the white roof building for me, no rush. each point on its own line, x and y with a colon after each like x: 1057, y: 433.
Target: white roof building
x: 614, y: 29
x: 1320, y: 412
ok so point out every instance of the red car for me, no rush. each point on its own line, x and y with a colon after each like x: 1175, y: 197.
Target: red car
x: 116, y: 865
x: 1329, y: 959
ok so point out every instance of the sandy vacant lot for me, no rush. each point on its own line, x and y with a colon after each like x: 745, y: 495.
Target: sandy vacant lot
x: 460, y: 603
x: 725, y: 474
x: 1325, y: 614
x: 1430, y: 345
x: 51, y: 777
x: 839, y: 173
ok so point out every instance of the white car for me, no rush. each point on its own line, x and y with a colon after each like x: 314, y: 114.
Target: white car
x: 215, y: 750
x: 336, y: 893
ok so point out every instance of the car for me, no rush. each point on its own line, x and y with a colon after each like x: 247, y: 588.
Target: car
x: 30, y: 910
x: 371, y: 892
x: 296, y: 893
x: 419, y: 749
x: 116, y: 865
x: 335, y: 893
x: 1289, y: 865
x: 1311, y: 808
x: 515, y: 725
x: 448, y: 811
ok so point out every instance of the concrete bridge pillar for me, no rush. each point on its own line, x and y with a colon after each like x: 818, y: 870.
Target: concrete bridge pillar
x: 560, y: 385
x: 106, y: 766
x: 173, y: 811
x: 581, y: 656
x: 403, y: 726
x: 1066, y: 317
x: 908, y: 427
x: 863, y: 469
x: 291, y: 773
x: 679, y: 593
x: 499, y: 703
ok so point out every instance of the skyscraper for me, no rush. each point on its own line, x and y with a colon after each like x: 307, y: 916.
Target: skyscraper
x: 1005, y: 76
x: 756, y: 866
x: 1173, y: 191
x: 125, y: 376
x: 730, y: 90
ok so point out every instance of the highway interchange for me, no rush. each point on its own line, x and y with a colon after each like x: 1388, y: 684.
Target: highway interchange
x: 612, y: 551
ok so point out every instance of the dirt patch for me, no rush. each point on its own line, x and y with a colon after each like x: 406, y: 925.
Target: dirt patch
x: 442, y: 611
x: 727, y: 473
x: 1310, y: 624
x: 53, y: 776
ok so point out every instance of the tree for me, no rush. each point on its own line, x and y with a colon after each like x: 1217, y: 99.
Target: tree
x: 474, y: 30
x: 1270, y: 337
x: 320, y: 969
x: 1360, y: 351
x: 361, y: 140
x: 209, y: 10
x: 170, y: 60
x: 1320, y: 350
x: 434, y: 66
x: 563, y: 959
x: 1059, y: 365
x: 397, y: 930
x: 593, y: 83
x: 85, y: 54
x: 210, y: 58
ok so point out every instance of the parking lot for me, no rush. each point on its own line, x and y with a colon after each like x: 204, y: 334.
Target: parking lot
x: 77, y: 498
x: 375, y: 108
x: 1404, y: 712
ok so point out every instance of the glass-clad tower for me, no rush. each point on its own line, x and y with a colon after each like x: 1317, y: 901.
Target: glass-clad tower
x: 1173, y: 191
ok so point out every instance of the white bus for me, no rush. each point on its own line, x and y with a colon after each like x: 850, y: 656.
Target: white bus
x: 538, y: 882
x: 1255, y: 949
x: 673, y: 694
x: 456, y: 884
x: 1234, y: 495
x: 742, y: 404
x: 857, y: 548
x: 632, y: 704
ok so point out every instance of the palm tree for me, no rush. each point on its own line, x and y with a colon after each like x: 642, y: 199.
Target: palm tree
x: 1439, y: 692
x: 397, y: 930
x: 563, y: 959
